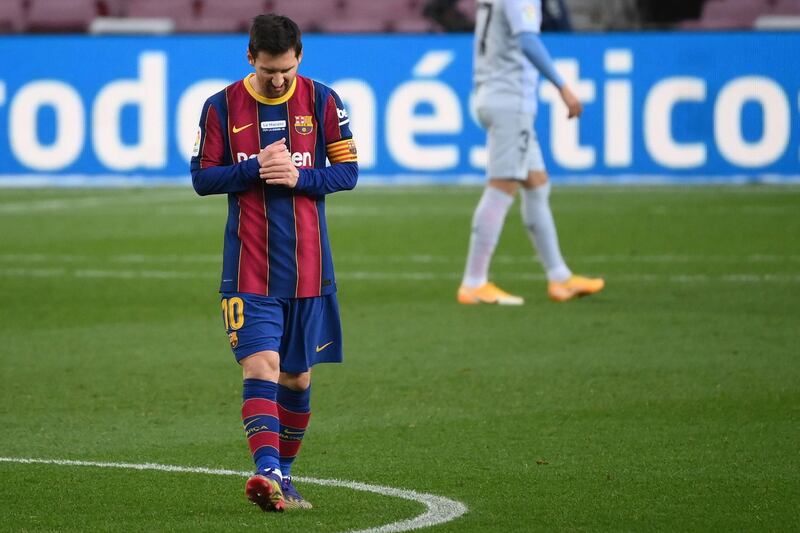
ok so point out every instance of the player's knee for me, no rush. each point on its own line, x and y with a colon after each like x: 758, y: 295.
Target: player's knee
x: 297, y: 382
x: 506, y: 185
x: 261, y: 365
x: 536, y: 178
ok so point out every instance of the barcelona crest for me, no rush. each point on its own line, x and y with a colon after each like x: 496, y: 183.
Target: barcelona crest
x: 234, y: 338
x: 303, y: 124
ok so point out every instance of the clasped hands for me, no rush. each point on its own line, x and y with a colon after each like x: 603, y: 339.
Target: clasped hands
x: 276, y: 165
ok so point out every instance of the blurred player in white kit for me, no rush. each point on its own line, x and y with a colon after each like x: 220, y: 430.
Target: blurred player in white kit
x: 508, y: 58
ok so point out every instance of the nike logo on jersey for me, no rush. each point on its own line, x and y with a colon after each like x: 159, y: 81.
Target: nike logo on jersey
x: 320, y: 348
x: 237, y: 130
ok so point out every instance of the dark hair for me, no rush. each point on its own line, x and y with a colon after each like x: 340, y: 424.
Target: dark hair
x: 274, y: 34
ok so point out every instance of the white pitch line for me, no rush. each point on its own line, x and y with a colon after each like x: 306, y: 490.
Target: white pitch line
x: 184, y: 203
x: 117, y: 258
x: 606, y: 258
x: 753, y: 258
x: 466, y: 212
x: 215, y: 259
x: 624, y: 278
x: 139, y: 274
x: 372, y: 275
x: 75, y: 203
x: 438, y: 508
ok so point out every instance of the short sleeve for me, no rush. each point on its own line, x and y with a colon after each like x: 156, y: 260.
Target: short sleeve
x: 523, y: 15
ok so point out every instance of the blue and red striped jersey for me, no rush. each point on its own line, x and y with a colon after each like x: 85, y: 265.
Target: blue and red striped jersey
x: 276, y: 238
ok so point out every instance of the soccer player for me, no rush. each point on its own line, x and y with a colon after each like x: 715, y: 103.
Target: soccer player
x: 264, y: 141
x: 508, y: 57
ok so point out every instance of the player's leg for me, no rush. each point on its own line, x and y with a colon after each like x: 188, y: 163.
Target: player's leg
x: 505, y: 166
x: 260, y: 408
x: 538, y: 219
x: 487, y: 225
x: 294, y: 413
x: 313, y: 335
x: 261, y: 427
x: 254, y: 326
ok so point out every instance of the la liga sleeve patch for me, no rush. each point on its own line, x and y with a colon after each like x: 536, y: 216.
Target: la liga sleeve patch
x: 196, y: 149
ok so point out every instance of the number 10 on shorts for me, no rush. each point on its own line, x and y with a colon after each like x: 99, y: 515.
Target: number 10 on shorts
x: 233, y: 312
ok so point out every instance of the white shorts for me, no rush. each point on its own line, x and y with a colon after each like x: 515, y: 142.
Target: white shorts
x: 513, y: 149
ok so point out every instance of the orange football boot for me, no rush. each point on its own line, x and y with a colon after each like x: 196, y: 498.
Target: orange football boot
x: 574, y: 286
x: 487, y: 293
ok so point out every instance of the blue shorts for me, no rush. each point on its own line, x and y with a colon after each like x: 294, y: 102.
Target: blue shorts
x: 304, y: 331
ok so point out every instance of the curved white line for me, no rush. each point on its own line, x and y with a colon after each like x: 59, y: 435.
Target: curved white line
x: 438, y: 509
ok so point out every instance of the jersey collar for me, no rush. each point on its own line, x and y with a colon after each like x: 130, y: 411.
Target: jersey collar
x: 264, y: 99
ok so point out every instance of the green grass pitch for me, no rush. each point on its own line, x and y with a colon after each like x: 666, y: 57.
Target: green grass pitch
x: 669, y: 402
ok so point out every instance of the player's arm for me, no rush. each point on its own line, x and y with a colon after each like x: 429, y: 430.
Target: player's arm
x: 225, y: 179
x: 209, y: 173
x: 312, y: 181
x: 523, y: 19
x: 533, y: 48
x: 320, y: 181
x: 342, y: 174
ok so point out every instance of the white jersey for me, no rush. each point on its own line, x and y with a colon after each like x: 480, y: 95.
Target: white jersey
x: 503, y: 76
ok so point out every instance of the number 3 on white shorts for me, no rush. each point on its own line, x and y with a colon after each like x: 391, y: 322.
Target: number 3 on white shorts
x: 233, y: 312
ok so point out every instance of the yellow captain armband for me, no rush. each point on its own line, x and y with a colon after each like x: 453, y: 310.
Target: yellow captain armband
x: 343, y: 151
